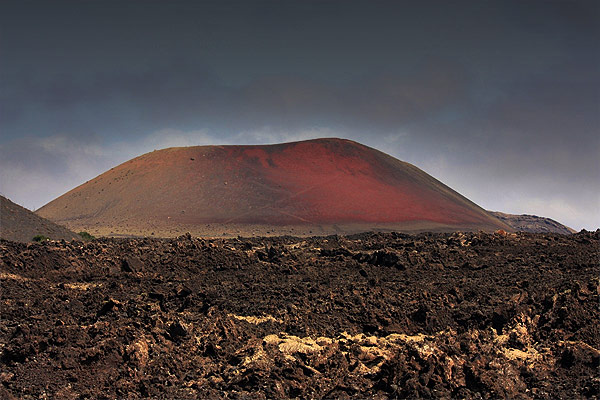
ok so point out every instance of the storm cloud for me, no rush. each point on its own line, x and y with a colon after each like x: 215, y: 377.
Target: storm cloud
x: 499, y: 100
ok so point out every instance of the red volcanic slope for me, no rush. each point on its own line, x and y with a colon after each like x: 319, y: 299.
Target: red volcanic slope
x: 323, y: 181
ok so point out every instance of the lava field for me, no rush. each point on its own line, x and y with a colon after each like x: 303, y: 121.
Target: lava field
x: 375, y: 315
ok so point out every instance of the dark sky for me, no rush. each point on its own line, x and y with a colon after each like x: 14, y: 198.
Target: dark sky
x: 498, y: 99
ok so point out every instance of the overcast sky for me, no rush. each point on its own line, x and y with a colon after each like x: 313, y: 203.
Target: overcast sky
x: 500, y: 100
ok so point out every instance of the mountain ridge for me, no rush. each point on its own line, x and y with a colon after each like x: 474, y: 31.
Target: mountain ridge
x: 532, y: 223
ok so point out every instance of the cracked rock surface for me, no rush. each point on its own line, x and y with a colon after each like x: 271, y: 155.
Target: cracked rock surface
x: 462, y: 315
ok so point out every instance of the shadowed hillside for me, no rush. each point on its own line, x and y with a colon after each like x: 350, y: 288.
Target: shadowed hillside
x: 21, y: 225
x: 323, y: 185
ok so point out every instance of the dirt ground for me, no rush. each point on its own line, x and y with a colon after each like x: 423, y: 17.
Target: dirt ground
x: 380, y: 315
x: 232, y: 230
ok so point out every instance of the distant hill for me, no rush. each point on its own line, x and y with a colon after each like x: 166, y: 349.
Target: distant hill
x: 315, y: 186
x: 532, y: 223
x: 21, y: 225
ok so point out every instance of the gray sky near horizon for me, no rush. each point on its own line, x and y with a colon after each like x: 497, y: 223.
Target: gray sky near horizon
x: 500, y: 100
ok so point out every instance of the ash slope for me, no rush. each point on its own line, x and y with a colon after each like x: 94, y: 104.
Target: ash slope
x: 323, y: 182
x: 21, y: 225
x: 532, y: 223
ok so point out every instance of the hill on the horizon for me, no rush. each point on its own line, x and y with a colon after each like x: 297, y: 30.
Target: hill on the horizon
x: 21, y: 225
x: 315, y: 186
x: 532, y: 223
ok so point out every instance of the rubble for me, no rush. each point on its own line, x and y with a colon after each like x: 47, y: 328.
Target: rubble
x: 377, y: 315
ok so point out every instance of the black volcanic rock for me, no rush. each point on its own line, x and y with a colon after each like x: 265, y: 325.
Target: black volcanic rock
x: 332, y: 317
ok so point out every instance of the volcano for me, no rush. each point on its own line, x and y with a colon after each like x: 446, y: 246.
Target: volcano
x: 317, y: 186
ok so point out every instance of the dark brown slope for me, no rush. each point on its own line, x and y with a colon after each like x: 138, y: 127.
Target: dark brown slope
x: 328, y: 184
x: 21, y: 225
x: 532, y: 223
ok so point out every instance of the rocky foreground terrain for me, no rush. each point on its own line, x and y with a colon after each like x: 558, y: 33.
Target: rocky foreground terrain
x: 370, y: 315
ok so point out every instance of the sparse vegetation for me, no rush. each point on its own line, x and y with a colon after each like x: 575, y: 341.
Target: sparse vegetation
x: 86, y: 236
x: 40, y: 238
